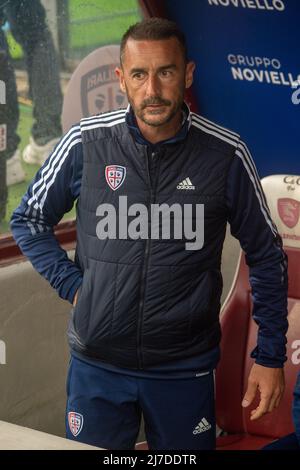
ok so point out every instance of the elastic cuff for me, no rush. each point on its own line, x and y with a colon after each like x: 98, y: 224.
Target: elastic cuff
x: 270, y: 363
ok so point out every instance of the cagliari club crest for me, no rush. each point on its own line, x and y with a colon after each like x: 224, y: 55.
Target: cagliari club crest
x: 75, y: 421
x: 289, y: 211
x: 100, y: 90
x: 115, y: 176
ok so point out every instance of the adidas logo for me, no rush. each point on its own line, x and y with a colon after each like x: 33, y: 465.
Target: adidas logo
x: 202, y: 426
x: 185, y: 184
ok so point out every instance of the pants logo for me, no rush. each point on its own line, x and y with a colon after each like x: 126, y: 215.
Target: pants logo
x: 75, y: 421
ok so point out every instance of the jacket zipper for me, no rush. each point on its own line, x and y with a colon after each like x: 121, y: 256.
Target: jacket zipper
x: 146, y: 258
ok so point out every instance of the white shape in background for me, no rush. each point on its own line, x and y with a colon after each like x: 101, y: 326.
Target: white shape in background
x: 2, y: 352
x: 2, y: 92
x: 296, y: 94
x: 296, y: 354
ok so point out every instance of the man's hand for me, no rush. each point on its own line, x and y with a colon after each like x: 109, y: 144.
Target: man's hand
x: 270, y: 383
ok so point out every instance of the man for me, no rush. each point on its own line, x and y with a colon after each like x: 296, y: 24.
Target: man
x: 27, y: 21
x: 144, y: 331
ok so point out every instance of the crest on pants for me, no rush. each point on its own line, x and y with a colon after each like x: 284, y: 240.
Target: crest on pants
x: 115, y: 176
x: 75, y: 421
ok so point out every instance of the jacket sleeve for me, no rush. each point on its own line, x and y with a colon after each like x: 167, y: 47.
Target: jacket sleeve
x: 251, y: 224
x: 49, y: 196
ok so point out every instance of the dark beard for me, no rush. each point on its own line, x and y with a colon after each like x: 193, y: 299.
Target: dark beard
x: 156, y: 100
x: 160, y: 122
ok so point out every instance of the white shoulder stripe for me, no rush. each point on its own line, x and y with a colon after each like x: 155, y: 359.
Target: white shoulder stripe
x: 102, y: 124
x: 74, y: 131
x: 216, y: 126
x: 103, y: 117
x: 243, y: 153
x: 61, y: 152
x: 257, y: 187
x: 29, y: 223
x: 57, y: 168
x: 99, y: 121
x: 215, y: 132
x: 54, y: 158
x: 221, y: 131
x: 263, y: 196
x: 254, y: 171
x: 108, y: 113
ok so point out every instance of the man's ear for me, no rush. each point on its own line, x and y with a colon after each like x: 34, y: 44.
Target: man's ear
x: 120, y: 75
x: 189, y: 74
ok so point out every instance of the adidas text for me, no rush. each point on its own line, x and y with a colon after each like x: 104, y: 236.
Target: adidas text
x: 202, y: 426
x: 186, y: 184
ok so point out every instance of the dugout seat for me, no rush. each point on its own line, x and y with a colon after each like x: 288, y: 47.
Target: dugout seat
x: 239, y: 334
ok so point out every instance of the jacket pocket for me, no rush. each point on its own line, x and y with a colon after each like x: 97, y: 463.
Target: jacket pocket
x: 81, y: 311
x: 96, y: 304
x: 205, y: 301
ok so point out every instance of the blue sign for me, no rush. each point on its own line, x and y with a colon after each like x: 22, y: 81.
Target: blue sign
x: 248, y: 72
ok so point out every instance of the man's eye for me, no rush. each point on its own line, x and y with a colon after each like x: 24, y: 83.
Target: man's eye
x: 138, y: 75
x: 166, y: 73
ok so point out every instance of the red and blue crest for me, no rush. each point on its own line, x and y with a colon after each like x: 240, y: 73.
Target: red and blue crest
x: 115, y: 176
x: 75, y: 421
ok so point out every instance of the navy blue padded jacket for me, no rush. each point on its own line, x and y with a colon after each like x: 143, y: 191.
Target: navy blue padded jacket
x: 147, y: 302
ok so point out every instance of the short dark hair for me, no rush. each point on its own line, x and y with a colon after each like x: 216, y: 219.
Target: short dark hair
x: 154, y: 29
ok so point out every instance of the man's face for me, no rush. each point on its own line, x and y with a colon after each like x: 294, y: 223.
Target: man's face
x: 154, y: 75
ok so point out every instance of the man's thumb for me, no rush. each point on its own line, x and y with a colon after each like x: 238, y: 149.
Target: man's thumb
x: 249, y: 395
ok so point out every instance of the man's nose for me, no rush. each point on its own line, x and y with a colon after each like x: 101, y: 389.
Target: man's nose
x: 153, y: 86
